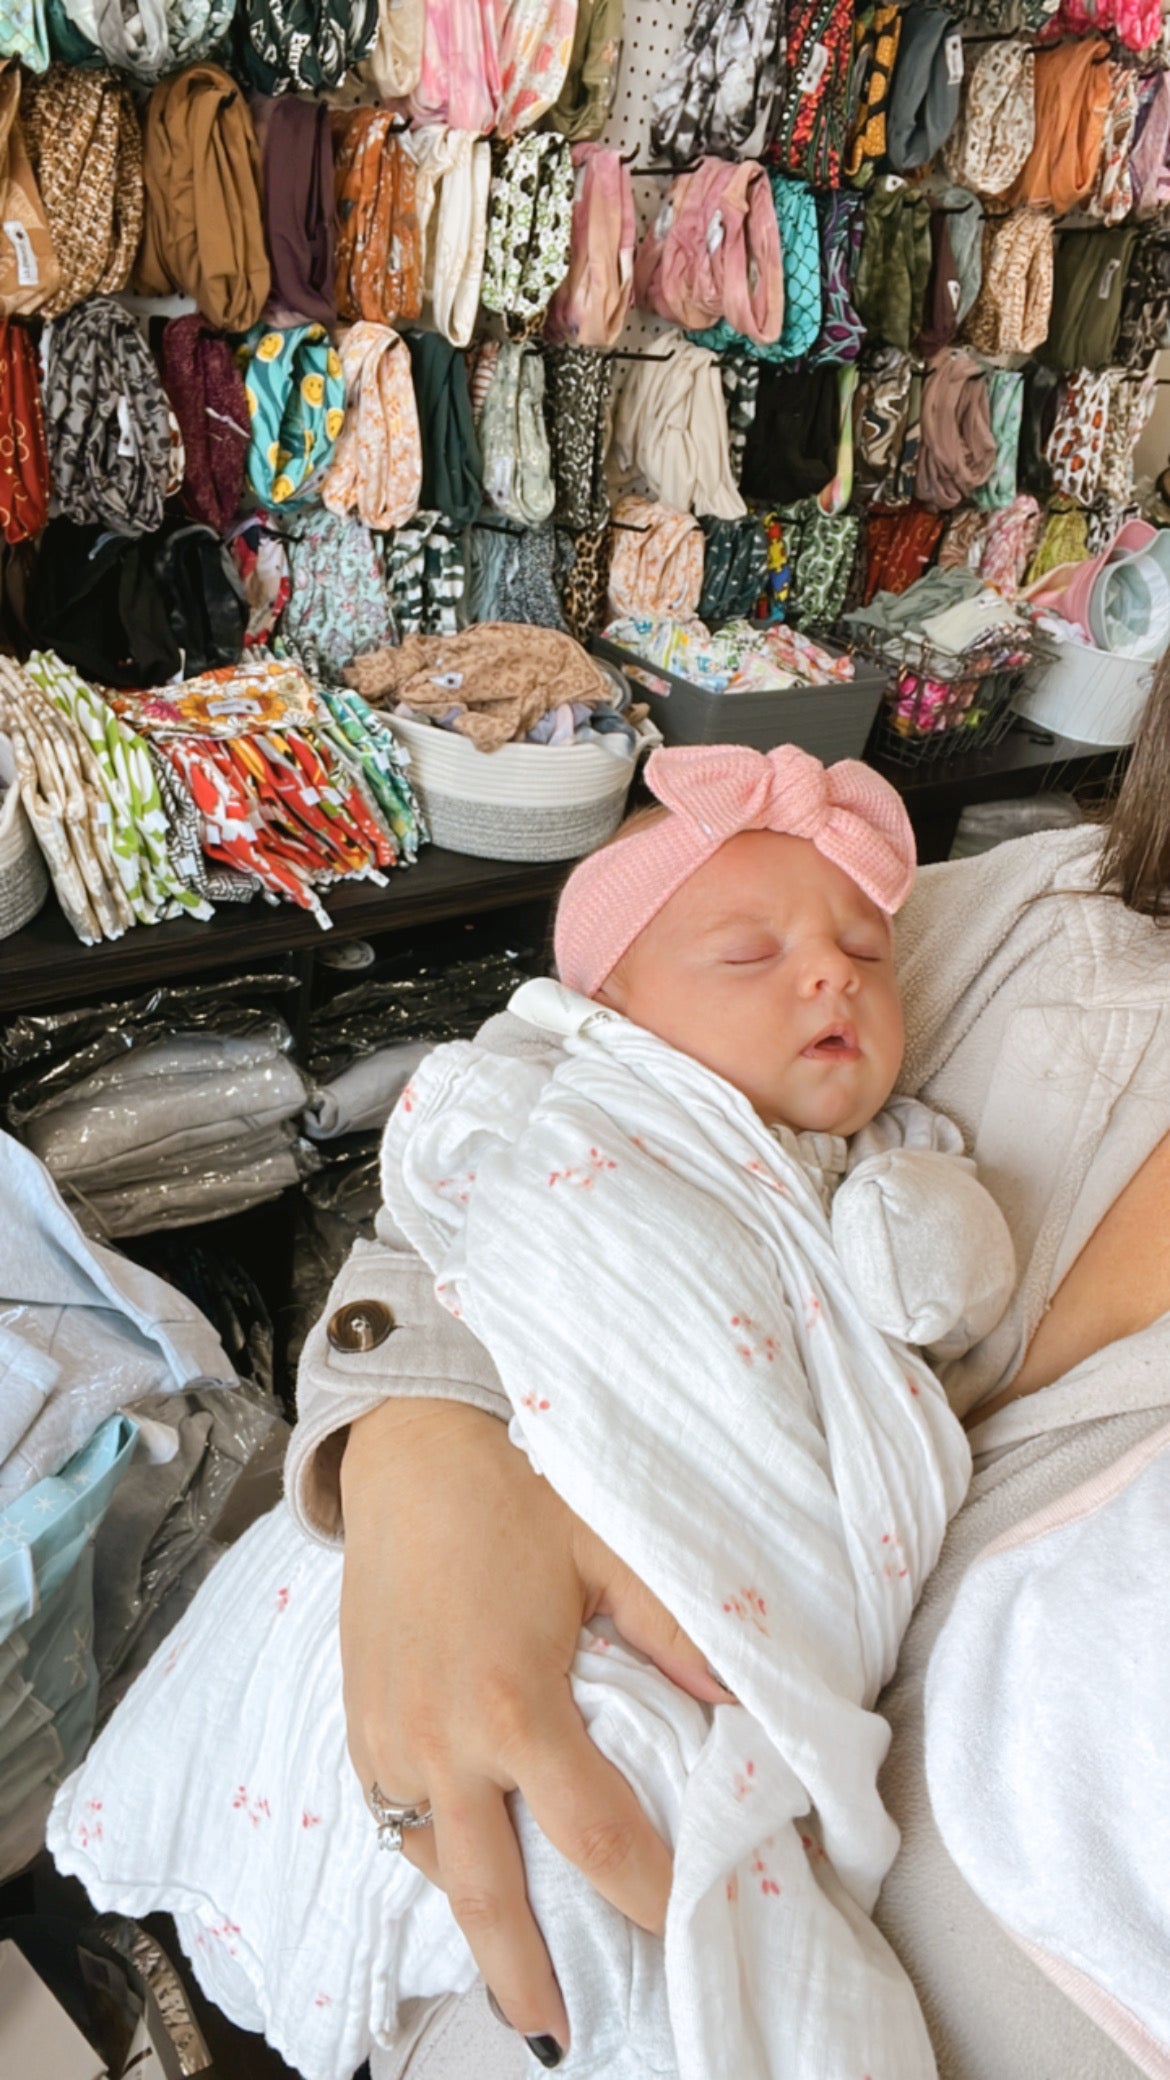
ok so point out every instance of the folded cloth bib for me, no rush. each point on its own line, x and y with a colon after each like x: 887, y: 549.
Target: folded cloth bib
x: 85, y: 142
x: 1043, y: 389
x: 517, y: 470
x: 379, y: 249
x: 791, y: 448
x: 877, y: 34
x: 958, y: 451
x: 206, y: 392
x: 107, y: 420
x: 1010, y: 541
x: 1073, y: 91
x: 1136, y: 23
x: 203, y: 232
x: 657, y: 564
x: 881, y: 410
x: 578, y: 393
x: 1113, y: 197
x: 797, y: 222
x: 307, y: 45
x: 536, y: 43
x: 1149, y: 165
x: 1088, y: 288
x: 24, y: 33
x: 530, y: 220
x: 1131, y: 405
x: 809, y: 127
x: 24, y: 462
x: 1014, y: 305
x: 924, y: 98
x: 425, y: 577
x: 459, y: 82
x: 452, y: 467
x: 591, y: 306
x: 894, y: 268
x: 714, y: 253
x: 151, y: 37
x: 376, y: 469
x: 735, y: 569
x: 1145, y: 302
x: 840, y: 215
x: 996, y: 129
x: 452, y: 185
x: 586, y: 97
x: 1005, y: 388
x: 670, y: 428
x: 719, y: 89
x: 295, y: 392
x: 1077, y: 441
x: 394, y: 63
x: 29, y: 272
x: 338, y: 604
x: 296, y: 146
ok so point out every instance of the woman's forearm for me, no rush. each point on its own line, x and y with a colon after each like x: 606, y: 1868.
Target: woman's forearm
x: 405, y: 1347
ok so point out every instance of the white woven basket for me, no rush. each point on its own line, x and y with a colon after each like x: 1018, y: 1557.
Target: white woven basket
x: 24, y: 883
x: 1087, y: 694
x: 524, y: 801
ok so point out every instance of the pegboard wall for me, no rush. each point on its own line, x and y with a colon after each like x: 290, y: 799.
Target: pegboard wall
x: 652, y: 33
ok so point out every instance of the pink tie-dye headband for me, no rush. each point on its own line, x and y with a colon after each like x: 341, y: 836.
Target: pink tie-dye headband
x: 852, y: 816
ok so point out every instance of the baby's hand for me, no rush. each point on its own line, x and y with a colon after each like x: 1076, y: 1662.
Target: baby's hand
x: 924, y: 1247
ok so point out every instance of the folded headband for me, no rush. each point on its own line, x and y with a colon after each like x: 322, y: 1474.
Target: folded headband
x: 852, y: 816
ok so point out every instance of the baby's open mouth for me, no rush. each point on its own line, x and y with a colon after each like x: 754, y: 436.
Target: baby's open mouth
x: 836, y: 1043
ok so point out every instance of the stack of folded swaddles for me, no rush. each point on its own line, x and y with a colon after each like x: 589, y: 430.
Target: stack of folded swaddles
x: 188, y: 1129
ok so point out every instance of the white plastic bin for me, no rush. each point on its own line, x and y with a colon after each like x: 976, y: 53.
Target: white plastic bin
x: 1094, y: 696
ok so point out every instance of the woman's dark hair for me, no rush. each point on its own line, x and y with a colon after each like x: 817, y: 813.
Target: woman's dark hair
x: 1135, y: 859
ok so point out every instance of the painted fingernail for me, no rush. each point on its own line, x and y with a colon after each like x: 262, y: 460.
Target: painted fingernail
x: 546, y: 2049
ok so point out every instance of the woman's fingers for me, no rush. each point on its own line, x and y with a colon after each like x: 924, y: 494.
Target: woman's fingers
x: 588, y: 1811
x: 478, y: 1864
x: 647, y: 1625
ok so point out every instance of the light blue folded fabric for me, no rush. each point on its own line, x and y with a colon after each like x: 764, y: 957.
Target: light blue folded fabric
x: 44, y: 1532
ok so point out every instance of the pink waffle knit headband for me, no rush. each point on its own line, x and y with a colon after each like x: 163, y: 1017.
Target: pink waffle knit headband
x: 853, y: 817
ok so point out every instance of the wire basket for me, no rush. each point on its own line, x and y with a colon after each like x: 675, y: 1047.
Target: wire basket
x: 944, y: 704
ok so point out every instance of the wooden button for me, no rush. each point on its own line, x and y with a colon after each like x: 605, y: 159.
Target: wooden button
x: 361, y: 1326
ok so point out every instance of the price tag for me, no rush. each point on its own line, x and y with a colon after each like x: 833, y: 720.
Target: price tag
x: 28, y: 274
x: 953, y: 46
x: 715, y: 232
x: 127, y: 445
x: 815, y: 67
x: 1108, y: 277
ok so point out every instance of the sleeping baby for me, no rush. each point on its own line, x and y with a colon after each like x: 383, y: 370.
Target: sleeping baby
x: 673, y: 1197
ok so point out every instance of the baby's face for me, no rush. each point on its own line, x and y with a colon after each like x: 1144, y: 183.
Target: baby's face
x: 772, y: 968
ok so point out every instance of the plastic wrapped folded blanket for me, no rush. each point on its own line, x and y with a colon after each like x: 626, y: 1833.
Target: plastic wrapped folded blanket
x: 771, y: 1965
x: 188, y: 1129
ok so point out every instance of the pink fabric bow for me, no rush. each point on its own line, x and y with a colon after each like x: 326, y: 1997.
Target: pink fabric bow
x: 852, y: 816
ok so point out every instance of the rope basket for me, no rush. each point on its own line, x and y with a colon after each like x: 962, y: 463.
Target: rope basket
x: 24, y: 883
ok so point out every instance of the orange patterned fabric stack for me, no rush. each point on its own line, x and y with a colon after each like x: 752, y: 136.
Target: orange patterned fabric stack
x: 379, y: 249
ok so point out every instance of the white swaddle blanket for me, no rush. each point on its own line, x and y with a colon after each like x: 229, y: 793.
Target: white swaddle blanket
x: 654, y: 1274
x: 770, y: 1465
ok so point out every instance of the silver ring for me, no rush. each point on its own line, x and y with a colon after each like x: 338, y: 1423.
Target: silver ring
x: 396, y: 1819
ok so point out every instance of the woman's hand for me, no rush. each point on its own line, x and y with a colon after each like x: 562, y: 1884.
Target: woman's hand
x: 466, y: 1583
